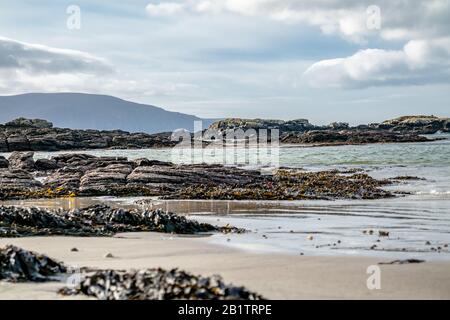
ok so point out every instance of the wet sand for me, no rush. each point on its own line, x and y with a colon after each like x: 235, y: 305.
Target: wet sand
x: 276, y: 276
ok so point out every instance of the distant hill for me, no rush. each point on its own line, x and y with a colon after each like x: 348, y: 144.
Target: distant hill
x: 90, y: 111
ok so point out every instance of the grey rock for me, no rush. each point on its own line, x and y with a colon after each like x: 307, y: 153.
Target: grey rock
x: 4, y: 163
x: 17, y: 179
x: 29, y: 123
x: 102, y: 179
x: 22, y: 161
x: 18, y: 142
x: 46, y: 164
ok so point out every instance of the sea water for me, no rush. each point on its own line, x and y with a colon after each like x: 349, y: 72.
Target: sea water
x: 418, y: 223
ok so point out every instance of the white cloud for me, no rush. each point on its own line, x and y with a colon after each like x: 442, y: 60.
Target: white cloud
x: 26, y: 67
x: 403, y: 20
x: 34, y: 58
x: 164, y: 8
x: 35, y: 67
x: 420, y: 62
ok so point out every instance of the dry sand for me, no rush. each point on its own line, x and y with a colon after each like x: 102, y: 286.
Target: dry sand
x: 276, y: 276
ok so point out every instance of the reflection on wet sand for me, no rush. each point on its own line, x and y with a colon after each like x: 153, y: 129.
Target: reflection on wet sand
x: 416, y: 227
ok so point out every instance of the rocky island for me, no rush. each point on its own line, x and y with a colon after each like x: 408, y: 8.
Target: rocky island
x: 300, y: 131
x: 40, y: 135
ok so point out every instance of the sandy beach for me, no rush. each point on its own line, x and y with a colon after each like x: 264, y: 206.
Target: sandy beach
x: 275, y: 276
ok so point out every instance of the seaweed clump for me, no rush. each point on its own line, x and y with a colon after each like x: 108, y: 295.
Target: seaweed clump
x: 99, y: 220
x: 19, y: 265
x: 156, y: 284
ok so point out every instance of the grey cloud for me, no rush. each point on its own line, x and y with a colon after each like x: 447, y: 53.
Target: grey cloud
x: 38, y: 59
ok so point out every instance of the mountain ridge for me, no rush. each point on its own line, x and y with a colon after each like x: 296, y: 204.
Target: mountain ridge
x: 94, y: 111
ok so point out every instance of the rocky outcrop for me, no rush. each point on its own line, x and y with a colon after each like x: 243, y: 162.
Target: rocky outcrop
x: 29, y: 123
x: 86, y: 175
x: 415, y: 124
x: 223, y: 126
x: 40, y: 135
x: 329, y: 137
x: 405, y: 129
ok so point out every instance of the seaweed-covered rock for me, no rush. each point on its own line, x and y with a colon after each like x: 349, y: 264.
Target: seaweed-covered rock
x: 156, y: 284
x: 293, y: 185
x: 21, y: 265
x: 97, y: 221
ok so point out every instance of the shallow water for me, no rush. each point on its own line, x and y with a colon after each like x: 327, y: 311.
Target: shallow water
x: 336, y: 226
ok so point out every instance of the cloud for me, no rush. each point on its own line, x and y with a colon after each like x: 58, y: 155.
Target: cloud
x: 404, y: 20
x: 36, y: 59
x: 419, y: 62
x: 164, y: 9
x: 25, y: 67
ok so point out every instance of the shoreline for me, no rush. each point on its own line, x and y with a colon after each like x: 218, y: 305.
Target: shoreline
x: 337, y: 228
x: 275, y: 276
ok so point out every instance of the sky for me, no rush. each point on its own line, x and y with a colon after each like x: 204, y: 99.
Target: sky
x: 324, y: 60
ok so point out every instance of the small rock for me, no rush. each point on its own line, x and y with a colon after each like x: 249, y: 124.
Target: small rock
x: 310, y: 237
x: 407, y: 261
x: 382, y: 233
x: 74, y: 250
x: 109, y: 255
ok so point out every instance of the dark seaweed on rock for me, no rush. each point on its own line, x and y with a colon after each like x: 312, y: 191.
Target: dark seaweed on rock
x: 19, y: 265
x: 156, y: 284
x: 97, y: 221
x: 293, y: 185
